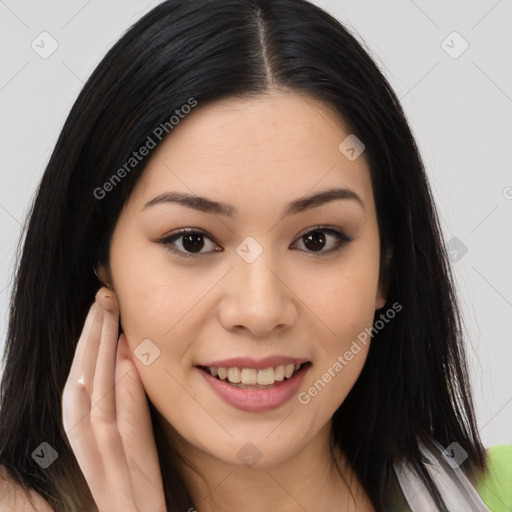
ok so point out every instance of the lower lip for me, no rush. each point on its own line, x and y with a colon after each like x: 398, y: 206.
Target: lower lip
x: 257, y: 400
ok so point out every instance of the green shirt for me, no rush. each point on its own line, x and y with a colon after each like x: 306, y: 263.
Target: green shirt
x: 495, y: 488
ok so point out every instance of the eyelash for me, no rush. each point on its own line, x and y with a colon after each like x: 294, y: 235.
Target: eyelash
x: 340, y: 236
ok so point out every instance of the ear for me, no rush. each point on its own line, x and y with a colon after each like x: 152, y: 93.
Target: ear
x: 103, y: 273
x: 382, y: 291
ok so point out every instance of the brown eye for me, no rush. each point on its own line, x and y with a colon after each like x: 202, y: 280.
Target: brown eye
x: 317, y: 239
x: 192, y: 242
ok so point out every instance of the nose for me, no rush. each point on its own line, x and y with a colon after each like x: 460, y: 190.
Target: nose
x: 259, y: 297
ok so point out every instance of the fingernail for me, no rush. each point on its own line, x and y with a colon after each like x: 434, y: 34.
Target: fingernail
x: 106, y: 299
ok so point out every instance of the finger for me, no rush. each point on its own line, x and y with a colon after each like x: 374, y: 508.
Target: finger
x: 76, y: 405
x: 97, y: 445
x: 105, y: 302
x: 82, y: 367
x: 103, y: 395
x: 103, y: 403
x: 136, y: 429
x: 76, y: 401
x: 84, y: 360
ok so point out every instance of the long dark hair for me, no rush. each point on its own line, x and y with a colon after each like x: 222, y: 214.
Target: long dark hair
x: 414, y: 384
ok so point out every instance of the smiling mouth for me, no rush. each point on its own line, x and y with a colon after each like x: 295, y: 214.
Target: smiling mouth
x: 253, y: 379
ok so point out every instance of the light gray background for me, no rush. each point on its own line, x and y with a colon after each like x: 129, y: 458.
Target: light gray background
x: 460, y: 110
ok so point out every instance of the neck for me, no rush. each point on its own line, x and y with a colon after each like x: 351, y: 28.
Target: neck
x: 318, y: 477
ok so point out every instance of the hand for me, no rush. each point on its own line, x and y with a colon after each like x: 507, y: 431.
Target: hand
x: 106, y: 417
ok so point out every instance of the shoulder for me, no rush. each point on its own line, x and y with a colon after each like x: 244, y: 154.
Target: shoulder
x: 495, y: 485
x: 14, y: 499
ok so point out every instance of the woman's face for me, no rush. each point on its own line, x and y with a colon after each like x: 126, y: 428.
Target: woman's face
x: 257, y: 286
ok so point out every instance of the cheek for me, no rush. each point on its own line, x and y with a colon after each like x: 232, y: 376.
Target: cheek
x: 154, y: 295
x: 342, y: 299
x: 345, y: 306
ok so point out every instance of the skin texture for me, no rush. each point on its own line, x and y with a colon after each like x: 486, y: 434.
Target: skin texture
x: 256, y: 154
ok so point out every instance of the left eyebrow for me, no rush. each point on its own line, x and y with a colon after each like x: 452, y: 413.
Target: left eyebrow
x: 206, y: 205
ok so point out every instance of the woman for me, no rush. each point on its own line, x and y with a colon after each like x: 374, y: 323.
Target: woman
x: 277, y: 325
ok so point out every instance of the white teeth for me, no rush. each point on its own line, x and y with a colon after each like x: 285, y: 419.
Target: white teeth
x: 266, y: 376
x: 279, y: 372
x: 251, y: 376
x: 234, y: 375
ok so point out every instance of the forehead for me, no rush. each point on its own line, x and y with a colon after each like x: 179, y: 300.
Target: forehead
x: 271, y: 148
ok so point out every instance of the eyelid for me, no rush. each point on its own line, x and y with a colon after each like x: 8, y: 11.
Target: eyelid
x: 321, y: 227
x: 340, y: 234
x: 342, y: 237
x: 175, y: 235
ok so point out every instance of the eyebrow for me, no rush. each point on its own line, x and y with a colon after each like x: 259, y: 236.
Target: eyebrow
x: 206, y: 205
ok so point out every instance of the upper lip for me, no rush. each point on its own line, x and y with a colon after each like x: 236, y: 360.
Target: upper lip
x: 258, y: 364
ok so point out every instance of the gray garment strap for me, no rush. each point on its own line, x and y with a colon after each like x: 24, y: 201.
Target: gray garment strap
x: 456, y: 490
